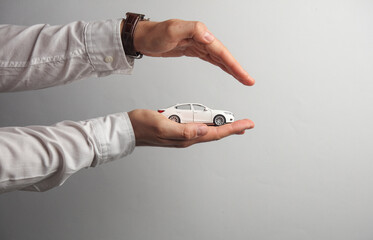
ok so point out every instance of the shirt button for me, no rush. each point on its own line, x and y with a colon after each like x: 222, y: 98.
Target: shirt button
x: 109, y: 59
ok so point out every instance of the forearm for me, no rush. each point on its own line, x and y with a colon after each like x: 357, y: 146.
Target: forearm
x: 37, y: 158
x: 42, y: 56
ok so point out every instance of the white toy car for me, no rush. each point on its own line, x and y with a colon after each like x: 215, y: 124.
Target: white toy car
x: 198, y: 113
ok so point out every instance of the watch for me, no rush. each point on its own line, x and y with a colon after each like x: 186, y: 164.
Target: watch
x: 129, y: 27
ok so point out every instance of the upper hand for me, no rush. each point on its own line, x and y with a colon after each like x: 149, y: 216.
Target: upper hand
x: 174, y: 38
x: 153, y: 129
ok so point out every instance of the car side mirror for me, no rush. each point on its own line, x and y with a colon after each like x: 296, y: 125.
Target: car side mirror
x: 205, y: 109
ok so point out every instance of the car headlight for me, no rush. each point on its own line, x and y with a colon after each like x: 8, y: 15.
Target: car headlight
x: 228, y: 113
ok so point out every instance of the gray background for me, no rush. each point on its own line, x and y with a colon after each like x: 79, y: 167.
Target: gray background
x: 304, y: 172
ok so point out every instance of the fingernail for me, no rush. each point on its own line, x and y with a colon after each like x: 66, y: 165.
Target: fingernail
x: 202, y: 130
x: 208, y: 37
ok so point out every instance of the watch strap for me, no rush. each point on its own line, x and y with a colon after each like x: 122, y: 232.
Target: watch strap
x: 129, y: 27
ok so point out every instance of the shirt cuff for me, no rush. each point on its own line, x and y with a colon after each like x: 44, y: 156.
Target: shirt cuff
x: 104, y: 47
x: 114, y: 137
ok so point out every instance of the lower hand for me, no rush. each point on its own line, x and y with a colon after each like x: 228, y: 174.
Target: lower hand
x: 153, y: 129
x: 175, y: 38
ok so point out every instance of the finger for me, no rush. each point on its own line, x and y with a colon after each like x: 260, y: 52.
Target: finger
x: 198, y: 51
x: 219, y: 51
x: 217, y: 133
x: 241, y: 133
x: 208, y: 59
x: 179, y: 30
x: 184, y: 132
x: 210, y: 134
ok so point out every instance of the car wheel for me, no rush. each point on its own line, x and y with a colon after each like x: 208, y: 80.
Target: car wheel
x: 174, y: 118
x: 219, y: 120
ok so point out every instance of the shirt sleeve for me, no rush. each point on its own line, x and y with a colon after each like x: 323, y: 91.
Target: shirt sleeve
x: 42, y: 56
x: 37, y: 158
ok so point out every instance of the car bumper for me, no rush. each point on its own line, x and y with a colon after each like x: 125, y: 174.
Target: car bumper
x: 229, y: 118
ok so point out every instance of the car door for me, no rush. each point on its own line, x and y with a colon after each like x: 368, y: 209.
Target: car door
x: 201, y: 114
x: 185, y: 113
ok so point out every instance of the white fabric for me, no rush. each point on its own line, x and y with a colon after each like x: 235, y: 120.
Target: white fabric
x: 37, y: 158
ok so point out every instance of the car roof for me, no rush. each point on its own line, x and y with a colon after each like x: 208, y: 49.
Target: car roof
x: 189, y: 103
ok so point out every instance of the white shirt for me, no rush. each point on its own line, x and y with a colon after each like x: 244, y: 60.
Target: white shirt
x: 37, y: 158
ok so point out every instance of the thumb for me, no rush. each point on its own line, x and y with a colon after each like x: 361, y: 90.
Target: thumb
x: 191, y: 30
x: 201, y: 33
x: 187, y: 131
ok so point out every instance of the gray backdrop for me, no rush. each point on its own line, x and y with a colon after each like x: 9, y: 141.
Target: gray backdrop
x: 304, y: 172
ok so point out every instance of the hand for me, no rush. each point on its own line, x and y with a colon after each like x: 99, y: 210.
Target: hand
x: 153, y: 129
x: 175, y: 38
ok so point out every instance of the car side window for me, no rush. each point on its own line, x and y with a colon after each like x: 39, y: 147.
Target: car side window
x: 198, y: 107
x: 183, y: 107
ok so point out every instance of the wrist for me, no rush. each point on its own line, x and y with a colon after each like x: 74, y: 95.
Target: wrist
x: 141, y: 35
x: 138, y: 35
